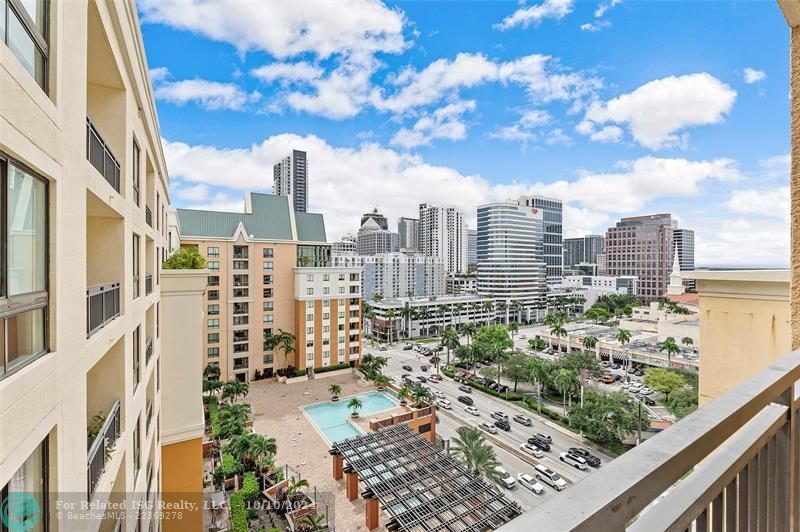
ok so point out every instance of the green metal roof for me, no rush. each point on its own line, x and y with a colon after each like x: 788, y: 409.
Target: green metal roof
x: 268, y: 220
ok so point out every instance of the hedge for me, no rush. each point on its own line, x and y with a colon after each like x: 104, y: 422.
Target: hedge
x: 342, y: 365
x: 213, y: 414
x: 250, y: 487
x: 238, y: 512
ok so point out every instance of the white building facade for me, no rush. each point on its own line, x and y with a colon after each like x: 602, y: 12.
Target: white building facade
x: 429, y: 315
x: 394, y: 275
x: 443, y: 233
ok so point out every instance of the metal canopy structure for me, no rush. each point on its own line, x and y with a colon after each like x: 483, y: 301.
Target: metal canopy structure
x: 421, y: 487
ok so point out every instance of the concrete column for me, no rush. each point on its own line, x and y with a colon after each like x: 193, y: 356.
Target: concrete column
x: 372, y: 513
x: 352, y: 486
x: 794, y: 183
x: 338, y: 465
x: 432, y: 433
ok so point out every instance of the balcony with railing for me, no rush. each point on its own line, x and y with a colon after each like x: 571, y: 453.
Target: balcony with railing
x: 102, y: 447
x: 99, y: 154
x: 102, y: 306
x: 734, y: 464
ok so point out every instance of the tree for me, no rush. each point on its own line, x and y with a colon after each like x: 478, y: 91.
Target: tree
x: 422, y: 396
x: 687, y: 341
x: 211, y: 372
x: 488, y: 307
x: 539, y: 374
x: 249, y: 448
x: 566, y: 381
x: 451, y: 341
x: 459, y: 308
x: 670, y: 347
x: 335, y: 390
x: 472, y: 450
x: 403, y: 394
x: 295, y: 485
x: 380, y: 381
x: 372, y: 365
x: 423, y: 314
x: 537, y: 344
x: 489, y: 372
x: 605, y: 418
x: 581, y: 362
x: 663, y: 380
x: 558, y: 330
x: 502, y: 306
x: 311, y: 523
x: 598, y: 314
x: 211, y: 387
x: 590, y: 342
x: 186, y: 258
x: 232, y: 419
x: 681, y: 402
x: 355, y: 405
x: 233, y: 389
x: 390, y: 314
x: 513, y: 328
x: 623, y: 337
x: 517, y: 368
x: 407, y: 313
x: 284, y: 340
x: 493, y: 341
x: 469, y: 328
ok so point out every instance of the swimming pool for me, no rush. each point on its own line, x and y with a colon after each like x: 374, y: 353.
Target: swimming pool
x: 332, y: 419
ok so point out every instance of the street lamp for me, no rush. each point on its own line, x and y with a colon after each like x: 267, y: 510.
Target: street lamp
x: 639, y: 422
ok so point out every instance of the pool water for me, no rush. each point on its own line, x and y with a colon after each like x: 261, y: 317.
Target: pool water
x: 332, y: 418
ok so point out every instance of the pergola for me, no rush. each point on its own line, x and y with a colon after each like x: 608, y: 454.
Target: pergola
x: 420, y: 486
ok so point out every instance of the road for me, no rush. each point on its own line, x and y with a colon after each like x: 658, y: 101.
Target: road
x: 507, y: 444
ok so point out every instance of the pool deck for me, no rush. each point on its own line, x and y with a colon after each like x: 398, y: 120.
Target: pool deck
x: 277, y: 409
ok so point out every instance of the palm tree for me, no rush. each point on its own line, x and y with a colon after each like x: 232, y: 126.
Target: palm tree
x: 295, y: 485
x: 406, y: 312
x: 403, y: 394
x: 590, y: 342
x: 212, y: 387
x: 472, y: 450
x: 334, y: 390
x: 250, y: 447
x: 211, y: 372
x: 670, y: 347
x: 355, y: 405
x: 469, y: 329
x: 422, y: 396
x: 623, y: 337
x: 502, y: 306
x: 441, y: 311
x: 380, y: 381
x: 558, y: 331
x: 519, y: 308
x: 540, y: 375
x: 391, y: 324
x: 450, y: 341
x: 370, y: 314
x: 459, y: 307
x: 311, y: 523
x: 474, y: 307
x: 488, y: 306
x: 537, y: 344
x: 232, y: 419
x: 566, y: 381
x: 283, y: 340
x: 414, y: 316
x: 233, y: 389
x: 513, y: 328
x: 423, y: 314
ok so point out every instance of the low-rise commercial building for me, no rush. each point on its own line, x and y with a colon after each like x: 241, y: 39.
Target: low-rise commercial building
x: 428, y: 315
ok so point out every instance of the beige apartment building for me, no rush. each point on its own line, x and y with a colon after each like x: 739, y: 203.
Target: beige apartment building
x: 84, y: 196
x: 270, y: 271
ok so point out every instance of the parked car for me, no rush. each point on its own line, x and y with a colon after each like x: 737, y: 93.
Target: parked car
x: 548, y: 476
x: 488, y: 428
x: 466, y: 400
x: 499, y: 416
x: 615, y: 366
x: 408, y: 347
x: 648, y: 401
x: 524, y: 420
x: 540, y: 443
x: 440, y: 394
x: 605, y: 363
x: 617, y: 378
x: 382, y: 348
x: 421, y: 378
x: 472, y: 410
x: 504, y: 425
x: 545, y: 437
x: 506, y: 479
x: 639, y: 373
x: 435, y: 377
x: 522, y: 337
x: 573, y: 460
x: 423, y: 367
x: 465, y: 388
x: 530, y: 483
x: 591, y: 459
x: 608, y: 379
x: 626, y: 385
x: 645, y: 391
x: 408, y: 368
x: 444, y: 403
x: 531, y: 449
x: 631, y: 370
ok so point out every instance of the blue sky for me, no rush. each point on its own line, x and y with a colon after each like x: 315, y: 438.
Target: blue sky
x: 618, y: 108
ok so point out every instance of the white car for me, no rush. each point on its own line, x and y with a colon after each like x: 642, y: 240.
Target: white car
x: 548, y: 476
x: 645, y: 391
x: 531, y: 449
x: 491, y: 429
x: 472, y: 410
x: 499, y: 416
x: 529, y: 482
x: 521, y: 336
x: 573, y: 460
x: 439, y: 393
x: 444, y: 403
x: 636, y: 385
x: 625, y: 385
x: 507, y: 480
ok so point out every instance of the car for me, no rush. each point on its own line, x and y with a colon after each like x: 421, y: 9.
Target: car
x: 531, y: 449
x: 631, y: 370
x: 591, y: 459
x: 530, y: 483
x: 504, y: 425
x: 635, y: 384
x: 505, y: 478
x: 545, y: 437
x: 524, y: 420
x: 615, y: 366
x: 648, y: 401
x: 465, y: 388
x: 472, y: 410
x: 573, y: 460
x: 408, y: 347
x: 435, y: 377
x: 550, y: 477
x: 499, y: 416
x: 617, y: 378
x: 466, y: 400
x: 421, y: 378
x: 408, y: 368
x: 444, y: 403
x: 645, y: 391
x: 488, y: 428
x: 626, y: 385
x: 639, y: 373
x: 540, y: 443
x: 440, y: 348
x: 382, y: 348
x: 522, y: 337
x: 608, y: 379
x: 478, y: 365
x: 423, y: 367
x: 439, y: 393
x: 605, y: 363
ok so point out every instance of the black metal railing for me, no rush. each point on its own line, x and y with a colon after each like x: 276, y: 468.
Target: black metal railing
x: 148, y: 284
x: 148, y: 216
x: 101, y: 448
x: 102, y: 306
x: 100, y: 156
x: 148, y: 350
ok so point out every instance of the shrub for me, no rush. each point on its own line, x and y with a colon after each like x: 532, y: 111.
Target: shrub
x: 187, y: 258
x: 238, y: 512
x: 230, y: 466
x: 250, y: 487
x: 213, y: 414
x: 342, y: 365
x: 298, y: 373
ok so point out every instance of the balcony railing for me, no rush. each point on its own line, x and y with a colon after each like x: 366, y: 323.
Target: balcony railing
x: 148, y: 284
x: 148, y: 350
x: 102, y: 306
x: 148, y: 216
x: 741, y: 452
x: 101, y: 157
x: 101, y: 448
x: 149, y: 416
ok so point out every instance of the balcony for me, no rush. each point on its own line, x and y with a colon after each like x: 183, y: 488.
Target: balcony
x: 148, y: 216
x: 148, y: 284
x: 149, y: 416
x: 741, y: 454
x: 102, y: 306
x: 100, y: 156
x: 102, y: 447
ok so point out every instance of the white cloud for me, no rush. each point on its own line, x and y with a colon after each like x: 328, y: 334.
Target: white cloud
x: 776, y: 166
x: 285, y: 29
x: 607, y: 134
x: 744, y: 241
x: 444, y: 123
x: 158, y: 73
x: 752, y: 75
x: 535, y: 118
x: 210, y: 95
x: 603, y: 8
x: 594, y: 27
x: 514, y: 133
x: 772, y: 202
x: 557, y: 136
x: 534, y: 15
x: 655, y: 111
x: 288, y: 72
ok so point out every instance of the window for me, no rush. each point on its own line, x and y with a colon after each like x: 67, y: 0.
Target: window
x: 267, y: 318
x: 136, y: 164
x: 267, y: 279
x: 213, y: 338
x: 309, y: 304
x: 309, y: 344
x: 326, y: 315
x: 268, y: 254
x: 268, y: 358
x: 309, y: 330
x: 135, y: 266
x: 326, y: 303
x: 309, y: 317
x: 326, y: 328
x: 341, y: 277
x: 213, y: 295
x: 241, y: 308
x: 240, y: 320
x: 240, y: 265
x: 213, y: 352
x: 213, y: 324
x: 310, y: 278
x: 240, y: 363
x: 326, y: 290
x: 240, y: 348
x: 326, y: 354
x: 137, y: 450
x: 268, y: 306
x: 27, y: 36
x: 213, y: 252
x: 213, y: 280
x: 158, y: 218
x: 239, y: 252
x: 213, y: 310
x: 341, y: 339
x: 341, y: 352
x: 137, y: 350
x: 267, y: 292
x: 341, y: 314
x: 240, y: 336
x: 267, y: 265
x: 310, y: 357
x: 309, y: 291
x: 213, y: 265
x: 326, y: 277
x: 240, y: 280
x: 240, y: 292
x: 341, y: 302
x: 32, y: 479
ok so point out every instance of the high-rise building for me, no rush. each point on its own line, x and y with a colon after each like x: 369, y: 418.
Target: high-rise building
x: 380, y: 219
x: 511, y: 266
x: 472, y: 248
x: 393, y: 275
x: 443, y: 233
x: 409, y: 233
x: 593, y: 246
x: 291, y: 179
x: 346, y: 246
x: 642, y: 246
x: 270, y: 270
x: 553, y: 247
x: 582, y: 249
x: 373, y: 239
x: 84, y: 200
x: 684, y: 241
